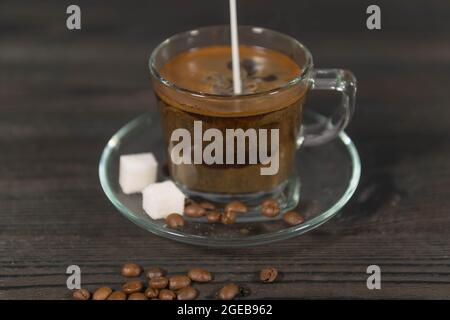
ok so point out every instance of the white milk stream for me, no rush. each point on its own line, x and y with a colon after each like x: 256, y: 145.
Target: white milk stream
x: 237, y: 84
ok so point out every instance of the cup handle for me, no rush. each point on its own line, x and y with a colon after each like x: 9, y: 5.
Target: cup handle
x: 328, y: 128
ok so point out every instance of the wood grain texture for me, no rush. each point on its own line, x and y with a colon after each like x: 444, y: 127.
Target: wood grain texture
x: 63, y: 94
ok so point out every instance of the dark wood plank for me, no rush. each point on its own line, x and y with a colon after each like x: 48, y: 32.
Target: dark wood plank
x: 63, y: 94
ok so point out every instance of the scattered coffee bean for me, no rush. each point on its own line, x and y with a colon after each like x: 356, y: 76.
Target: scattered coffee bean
x: 270, y: 208
x: 199, y: 275
x: 194, y: 211
x: 214, y: 216
x: 166, y: 294
x: 175, y: 221
x: 236, y: 206
x: 187, y: 293
x: 268, y: 274
x: 132, y: 286
x: 102, y: 293
x: 131, y: 270
x: 158, y: 282
x: 117, y: 295
x: 176, y: 287
x: 228, y: 292
x: 244, y: 231
x: 81, y: 294
x: 229, y: 217
x: 207, y: 205
x: 151, y: 293
x: 178, y: 282
x: 155, y: 272
x: 293, y: 218
x: 137, y: 296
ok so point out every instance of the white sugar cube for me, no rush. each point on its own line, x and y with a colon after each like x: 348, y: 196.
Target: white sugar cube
x: 137, y: 171
x: 161, y: 199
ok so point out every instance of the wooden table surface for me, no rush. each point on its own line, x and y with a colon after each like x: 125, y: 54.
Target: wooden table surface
x: 64, y: 93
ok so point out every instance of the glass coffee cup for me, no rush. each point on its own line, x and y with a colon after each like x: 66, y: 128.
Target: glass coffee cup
x: 257, y: 133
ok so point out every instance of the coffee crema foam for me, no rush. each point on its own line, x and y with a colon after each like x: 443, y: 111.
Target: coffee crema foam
x: 209, y: 70
x: 205, y: 77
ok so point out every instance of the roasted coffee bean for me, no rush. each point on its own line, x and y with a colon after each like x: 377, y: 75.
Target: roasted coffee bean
x: 194, y: 211
x: 137, y: 296
x: 166, y: 294
x: 158, y: 282
x: 131, y: 270
x: 293, y: 218
x: 229, y: 217
x: 213, y: 216
x: 270, y: 208
x: 151, y: 293
x: 268, y: 274
x: 199, y: 275
x: 178, y: 282
x: 81, y: 294
x: 155, y: 272
x: 117, y: 295
x: 236, y: 206
x: 207, y: 205
x: 228, y: 292
x: 132, y: 286
x: 244, y: 231
x: 102, y: 293
x: 187, y: 293
x: 175, y: 221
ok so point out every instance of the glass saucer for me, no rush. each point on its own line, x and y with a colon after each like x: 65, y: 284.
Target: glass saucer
x: 329, y: 175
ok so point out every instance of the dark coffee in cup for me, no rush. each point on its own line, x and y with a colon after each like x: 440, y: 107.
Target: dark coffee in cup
x: 200, y: 90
